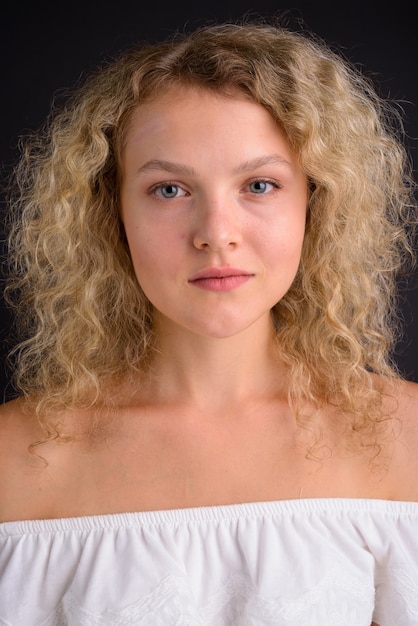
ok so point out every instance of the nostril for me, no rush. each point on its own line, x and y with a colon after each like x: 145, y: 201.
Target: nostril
x: 216, y: 231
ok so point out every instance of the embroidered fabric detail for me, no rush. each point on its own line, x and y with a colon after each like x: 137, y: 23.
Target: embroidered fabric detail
x: 407, y: 588
x: 398, y: 598
x: 332, y: 602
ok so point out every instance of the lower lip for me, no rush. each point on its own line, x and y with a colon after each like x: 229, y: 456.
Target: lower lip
x: 227, y: 283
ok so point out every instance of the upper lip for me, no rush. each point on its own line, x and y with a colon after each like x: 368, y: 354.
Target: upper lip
x: 219, y: 272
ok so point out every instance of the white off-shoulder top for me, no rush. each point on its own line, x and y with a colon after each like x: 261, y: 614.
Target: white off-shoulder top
x: 311, y: 562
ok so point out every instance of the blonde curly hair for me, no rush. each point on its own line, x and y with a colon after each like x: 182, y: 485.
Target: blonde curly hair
x: 84, y: 319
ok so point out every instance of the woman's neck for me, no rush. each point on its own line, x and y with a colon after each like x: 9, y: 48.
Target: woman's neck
x: 213, y: 372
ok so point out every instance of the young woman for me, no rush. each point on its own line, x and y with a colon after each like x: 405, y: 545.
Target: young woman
x: 210, y: 431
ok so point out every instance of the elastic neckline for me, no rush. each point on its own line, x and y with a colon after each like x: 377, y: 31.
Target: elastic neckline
x: 217, y: 513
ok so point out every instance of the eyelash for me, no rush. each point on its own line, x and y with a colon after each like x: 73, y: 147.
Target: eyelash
x: 153, y: 190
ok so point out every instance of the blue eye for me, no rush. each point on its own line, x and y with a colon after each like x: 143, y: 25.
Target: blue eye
x: 260, y: 186
x: 169, y: 191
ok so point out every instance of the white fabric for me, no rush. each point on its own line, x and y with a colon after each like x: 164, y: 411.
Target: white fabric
x: 312, y: 562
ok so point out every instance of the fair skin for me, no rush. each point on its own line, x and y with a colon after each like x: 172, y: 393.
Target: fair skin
x: 208, y: 184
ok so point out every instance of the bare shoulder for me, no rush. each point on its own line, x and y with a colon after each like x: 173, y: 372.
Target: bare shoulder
x: 17, y: 429
x: 23, y: 475
x: 405, y: 452
x: 12, y: 445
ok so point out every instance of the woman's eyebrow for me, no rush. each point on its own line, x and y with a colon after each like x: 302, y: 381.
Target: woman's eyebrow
x: 181, y: 169
x: 166, y: 166
x: 268, y: 159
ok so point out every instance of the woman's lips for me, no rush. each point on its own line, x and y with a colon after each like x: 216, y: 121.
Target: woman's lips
x: 220, y: 279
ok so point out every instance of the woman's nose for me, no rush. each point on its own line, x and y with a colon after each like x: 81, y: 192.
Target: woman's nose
x: 217, y: 226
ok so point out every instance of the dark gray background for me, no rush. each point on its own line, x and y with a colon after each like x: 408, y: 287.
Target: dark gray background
x: 46, y: 48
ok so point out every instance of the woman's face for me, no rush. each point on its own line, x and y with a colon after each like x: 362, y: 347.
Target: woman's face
x: 213, y: 203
